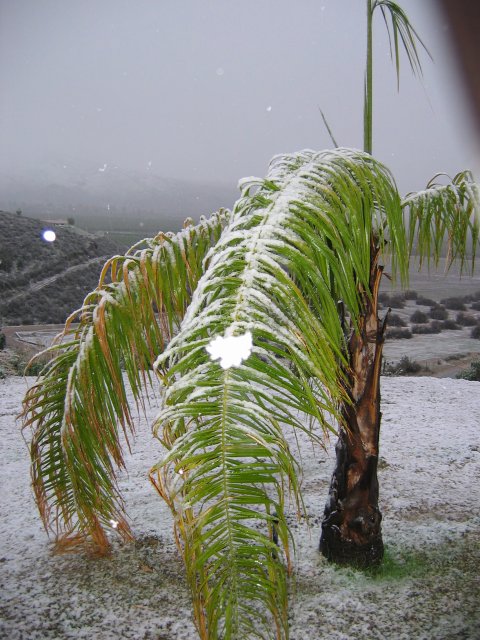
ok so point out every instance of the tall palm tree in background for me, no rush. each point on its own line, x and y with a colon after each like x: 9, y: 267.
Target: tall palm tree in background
x: 239, y: 316
x: 351, y: 528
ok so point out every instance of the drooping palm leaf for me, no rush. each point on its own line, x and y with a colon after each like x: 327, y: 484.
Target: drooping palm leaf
x: 78, y: 406
x: 229, y: 465
x: 402, y: 31
x: 445, y: 216
x: 399, y: 26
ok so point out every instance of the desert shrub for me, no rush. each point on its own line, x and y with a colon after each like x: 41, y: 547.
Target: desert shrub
x: 397, y: 333
x: 426, y: 302
x: 394, y: 300
x: 476, y: 306
x: 397, y: 301
x: 394, y: 320
x: 475, y: 332
x: 7, y: 260
x: 456, y: 304
x: 410, y: 294
x: 409, y: 366
x: 471, y: 374
x: 404, y: 367
x: 436, y: 327
x: 32, y: 368
x: 433, y: 327
x: 438, y: 313
x: 466, y: 320
x: 17, y: 364
x: 455, y: 356
x: 418, y: 317
x: 3, y: 340
x: 450, y: 325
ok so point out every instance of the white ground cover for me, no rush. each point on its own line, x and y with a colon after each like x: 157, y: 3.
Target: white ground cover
x: 430, y: 498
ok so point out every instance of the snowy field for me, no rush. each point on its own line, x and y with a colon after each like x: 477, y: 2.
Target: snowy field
x: 430, y: 499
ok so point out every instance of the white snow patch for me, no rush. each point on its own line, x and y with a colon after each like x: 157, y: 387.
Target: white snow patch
x: 231, y: 350
x: 429, y: 497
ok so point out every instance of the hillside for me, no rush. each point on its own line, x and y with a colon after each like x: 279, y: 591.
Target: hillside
x: 42, y: 282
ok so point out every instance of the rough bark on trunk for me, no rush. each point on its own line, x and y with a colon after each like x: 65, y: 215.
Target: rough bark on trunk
x: 351, y: 528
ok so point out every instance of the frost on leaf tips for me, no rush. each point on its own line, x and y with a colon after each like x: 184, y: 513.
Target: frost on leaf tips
x: 230, y: 350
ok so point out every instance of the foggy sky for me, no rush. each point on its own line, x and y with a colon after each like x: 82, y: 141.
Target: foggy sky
x: 210, y: 90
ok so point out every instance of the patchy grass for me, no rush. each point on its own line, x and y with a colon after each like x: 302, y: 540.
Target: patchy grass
x: 457, y: 557
x: 471, y: 374
x: 398, y: 565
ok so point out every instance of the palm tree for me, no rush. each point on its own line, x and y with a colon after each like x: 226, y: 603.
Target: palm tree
x: 239, y: 317
x: 351, y: 527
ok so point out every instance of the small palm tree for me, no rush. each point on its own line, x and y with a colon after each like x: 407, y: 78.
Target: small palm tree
x: 257, y: 321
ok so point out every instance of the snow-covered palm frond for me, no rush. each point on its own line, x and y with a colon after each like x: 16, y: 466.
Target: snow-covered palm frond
x: 78, y: 406
x: 445, y: 214
x: 297, y: 241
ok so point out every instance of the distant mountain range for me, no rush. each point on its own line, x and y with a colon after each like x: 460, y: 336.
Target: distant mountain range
x: 111, y: 208
x: 112, y: 198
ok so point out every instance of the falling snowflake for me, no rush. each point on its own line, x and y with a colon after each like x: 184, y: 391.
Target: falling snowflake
x: 230, y: 350
x: 49, y: 235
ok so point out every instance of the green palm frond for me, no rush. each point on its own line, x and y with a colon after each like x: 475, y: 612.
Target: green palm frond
x: 445, y: 216
x: 399, y: 26
x: 78, y: 407
x: 229, y: 467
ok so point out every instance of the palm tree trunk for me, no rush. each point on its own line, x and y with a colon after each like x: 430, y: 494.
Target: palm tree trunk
x: 351, y: 528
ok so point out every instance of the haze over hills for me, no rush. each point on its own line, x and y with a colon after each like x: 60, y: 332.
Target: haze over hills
x: 109, y: 197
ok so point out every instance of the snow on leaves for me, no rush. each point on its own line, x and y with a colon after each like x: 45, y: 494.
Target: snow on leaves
x: 231, y: 350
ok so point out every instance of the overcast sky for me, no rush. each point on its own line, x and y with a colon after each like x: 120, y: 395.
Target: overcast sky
x: 210, y: 90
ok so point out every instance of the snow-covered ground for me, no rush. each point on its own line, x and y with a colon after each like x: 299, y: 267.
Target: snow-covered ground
x: 430, y: 498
